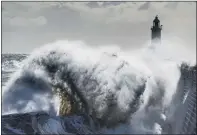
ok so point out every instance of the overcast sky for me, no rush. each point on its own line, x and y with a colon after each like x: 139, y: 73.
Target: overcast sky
x: 28, y: 25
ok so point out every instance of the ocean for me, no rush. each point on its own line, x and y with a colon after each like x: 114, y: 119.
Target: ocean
x: 10, y: 64
x: 92, y: 90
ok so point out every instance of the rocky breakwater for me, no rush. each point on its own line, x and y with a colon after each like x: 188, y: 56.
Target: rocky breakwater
x: 42, y: 123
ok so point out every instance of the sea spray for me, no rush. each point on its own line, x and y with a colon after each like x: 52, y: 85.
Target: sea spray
x: 126, y: 92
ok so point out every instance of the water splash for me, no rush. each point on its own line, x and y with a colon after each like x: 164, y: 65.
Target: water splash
x: 127, y: 92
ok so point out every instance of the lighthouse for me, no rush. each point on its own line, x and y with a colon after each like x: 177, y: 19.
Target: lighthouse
x: 156, y: 31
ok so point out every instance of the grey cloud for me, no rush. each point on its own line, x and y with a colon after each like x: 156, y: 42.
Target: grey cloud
x: 93, y: 4
x: 172, y: 5
x: 27, y: 25
x: 22, y: 21
x: 114, y: 3
x: 145, y: 6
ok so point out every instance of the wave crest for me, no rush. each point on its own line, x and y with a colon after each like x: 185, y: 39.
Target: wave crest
x: 68, y: 78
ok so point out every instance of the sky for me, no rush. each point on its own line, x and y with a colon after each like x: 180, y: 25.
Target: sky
x: 28, y: 25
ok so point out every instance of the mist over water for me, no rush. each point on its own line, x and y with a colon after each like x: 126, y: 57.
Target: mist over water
x: 126, y: 91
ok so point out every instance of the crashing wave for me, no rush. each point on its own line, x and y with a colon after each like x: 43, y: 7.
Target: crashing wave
x: 114, y: 91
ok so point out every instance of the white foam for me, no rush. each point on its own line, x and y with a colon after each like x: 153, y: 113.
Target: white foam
x: 115, y: 71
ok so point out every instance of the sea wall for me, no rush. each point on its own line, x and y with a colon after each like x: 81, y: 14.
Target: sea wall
x: 183, y: 110
x: 189, y: 124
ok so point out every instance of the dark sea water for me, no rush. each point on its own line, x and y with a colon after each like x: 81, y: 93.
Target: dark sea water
x: 10, y: 64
